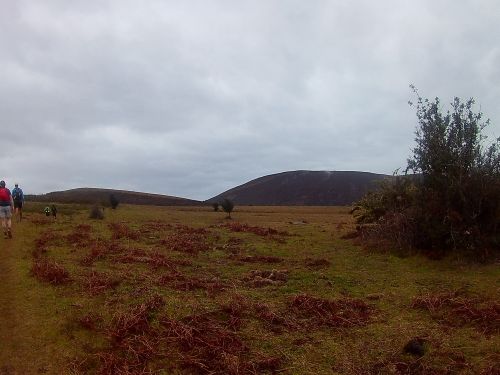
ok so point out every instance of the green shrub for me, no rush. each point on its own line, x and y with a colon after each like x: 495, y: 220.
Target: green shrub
x: 96, y: 212
x: 452, y: 202
x: 228, y: 206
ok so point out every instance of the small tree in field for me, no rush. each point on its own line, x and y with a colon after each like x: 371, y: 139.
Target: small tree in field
x: 228, y: 206
x: 96, y: 212
x: 113, y: 201
x: 215, y: 206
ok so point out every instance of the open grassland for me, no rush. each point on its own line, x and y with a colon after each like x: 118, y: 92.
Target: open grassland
x: 274, y: 290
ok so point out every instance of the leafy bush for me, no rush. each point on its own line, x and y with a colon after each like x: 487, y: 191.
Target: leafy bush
x: 113, y: 201
x: 227, y: 205
x: 96, y: 212
x: 452, y: 202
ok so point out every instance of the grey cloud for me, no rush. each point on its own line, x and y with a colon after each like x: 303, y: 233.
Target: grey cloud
x: 191, y: 98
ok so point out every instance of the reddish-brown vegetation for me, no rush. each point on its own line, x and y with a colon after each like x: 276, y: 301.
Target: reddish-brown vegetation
x: 344, y: 312
x: 80, y: 235
x: 40, y: 220
x: 49, y: 271
x: 99, y: 249
x: 133, y: 341
x: 152, y: 227
x: 179, y: 281
x: 274, y: 318
x: 135, y: 320
x: 97, y: 282
x: 317, y: 263
x: 121, y: 230
x: 260, y: 231
x: 154, y: 259
x: 187, y: 242
x: 43, y: 241
x: 90, y: 321
x: 260, y: 259
x: 458, y: 309
x: 209, y: 346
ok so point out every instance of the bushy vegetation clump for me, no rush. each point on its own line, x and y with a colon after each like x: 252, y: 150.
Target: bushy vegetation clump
x: 228, y: 206
x: 113, y: 201
x: 451, y: 201
x: 96, y: 213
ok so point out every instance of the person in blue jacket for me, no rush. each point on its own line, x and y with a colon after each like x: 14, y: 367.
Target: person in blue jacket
x: 18, y: 197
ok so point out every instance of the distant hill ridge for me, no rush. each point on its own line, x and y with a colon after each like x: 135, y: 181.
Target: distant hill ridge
x: 93, y: 195
x: 309, y: 188
x: 314, y: 188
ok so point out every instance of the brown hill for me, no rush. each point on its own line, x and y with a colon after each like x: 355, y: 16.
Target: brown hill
x: 94, y: 195
x: 314, y: 188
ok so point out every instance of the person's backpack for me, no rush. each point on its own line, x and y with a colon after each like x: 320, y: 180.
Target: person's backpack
x: 4, y: 195
x: 17, y: 194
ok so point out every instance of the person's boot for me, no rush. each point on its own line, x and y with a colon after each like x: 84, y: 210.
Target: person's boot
x: 9, y: 233
x: 5, y: 235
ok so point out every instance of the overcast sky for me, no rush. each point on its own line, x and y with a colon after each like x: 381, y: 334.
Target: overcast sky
x: 191, y: 98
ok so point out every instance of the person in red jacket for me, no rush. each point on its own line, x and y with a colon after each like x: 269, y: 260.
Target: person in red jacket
x: 6, y: 209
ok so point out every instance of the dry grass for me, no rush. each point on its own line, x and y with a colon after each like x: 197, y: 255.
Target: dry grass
x: 95, y: 282
x: 121, y: 230
x: 202, y: 298
x: 456, y: 308
x: 260, y: 259
x: 260, y: 231
x: 344, y: 312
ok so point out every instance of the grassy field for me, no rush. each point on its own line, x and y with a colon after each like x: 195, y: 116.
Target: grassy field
x: 274, y: 290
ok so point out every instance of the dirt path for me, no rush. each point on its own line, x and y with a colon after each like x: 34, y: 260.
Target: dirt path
x: 25, y: 312
x: 8, y: 319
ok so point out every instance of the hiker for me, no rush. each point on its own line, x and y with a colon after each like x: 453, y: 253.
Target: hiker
x: 47, y: 211
x: 53, y: 211
x: 18, y: 197
x: 6, y: 208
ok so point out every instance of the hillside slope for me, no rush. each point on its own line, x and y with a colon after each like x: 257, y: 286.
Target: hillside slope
x: 317, y: 188
x: 94, y: 195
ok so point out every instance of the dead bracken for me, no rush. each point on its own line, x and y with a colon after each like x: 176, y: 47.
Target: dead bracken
x: 49, y: 271
x: 343, y: 312
x: 209, y: 345
x: 183, y: 282
x: 97, y: 282
x: 121, y: 230
x: 187, y: 240
x: 99, y: 249
x: 90, y: 321
x: 260, y: 259
x: 43, y: 241
x: 260, y: 231
x: 317, y: 263
x: 80, y: 236
x: 456, y: 308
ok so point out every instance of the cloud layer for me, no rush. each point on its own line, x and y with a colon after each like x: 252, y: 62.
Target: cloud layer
x: 192, y: 98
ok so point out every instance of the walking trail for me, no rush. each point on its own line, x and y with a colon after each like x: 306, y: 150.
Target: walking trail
x: 27, y: 331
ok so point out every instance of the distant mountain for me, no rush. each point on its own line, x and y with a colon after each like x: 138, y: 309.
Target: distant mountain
x: 314, y: 188
x: 94, y: 195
